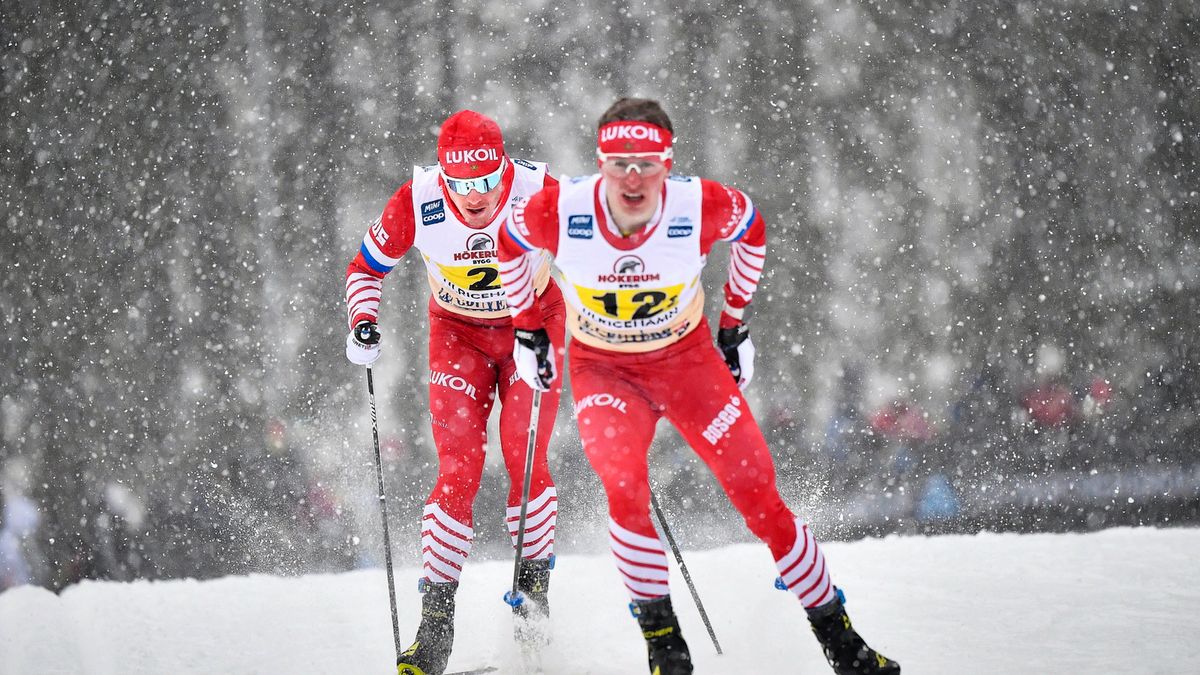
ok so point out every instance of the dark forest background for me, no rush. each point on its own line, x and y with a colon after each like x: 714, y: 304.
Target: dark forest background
x: 979, y: 312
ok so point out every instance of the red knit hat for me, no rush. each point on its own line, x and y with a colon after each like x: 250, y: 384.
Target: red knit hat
x: 470, y: 145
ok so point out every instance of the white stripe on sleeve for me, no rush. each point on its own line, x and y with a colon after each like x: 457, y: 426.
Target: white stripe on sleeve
x: 517, y: 277
x: 363, y: 292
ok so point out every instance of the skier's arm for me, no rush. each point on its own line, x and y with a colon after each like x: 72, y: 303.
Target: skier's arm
x: 529, y: 230
x: 386, y: 241
x: 388, y: 238
x: 729, y: 215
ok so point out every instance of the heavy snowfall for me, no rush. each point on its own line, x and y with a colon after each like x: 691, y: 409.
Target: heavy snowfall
x: 978, y: 363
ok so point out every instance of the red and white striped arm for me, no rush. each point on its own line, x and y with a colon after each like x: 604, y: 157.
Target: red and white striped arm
x: 728, y: 214
x: 516, y: 275
x: 386, y: 241
x: 530, y: 229
x: 363, y: 292
x: 745, y: 270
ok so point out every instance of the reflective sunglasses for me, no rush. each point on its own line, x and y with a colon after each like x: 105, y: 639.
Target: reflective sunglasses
x: 463, y: 186
x: 647, y: 165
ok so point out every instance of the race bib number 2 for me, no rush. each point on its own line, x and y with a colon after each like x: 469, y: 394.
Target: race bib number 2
x: 472, y: 277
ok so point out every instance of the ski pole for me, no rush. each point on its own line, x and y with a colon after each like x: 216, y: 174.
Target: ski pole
x: 662, y: 520
x: 387, y: 540
x: 514, y: 597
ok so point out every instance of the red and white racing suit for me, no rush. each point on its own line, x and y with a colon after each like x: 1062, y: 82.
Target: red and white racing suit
x: 470, y: 357
x: 642, y: 350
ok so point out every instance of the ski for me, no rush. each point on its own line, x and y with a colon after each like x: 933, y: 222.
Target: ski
x: 476, y: 671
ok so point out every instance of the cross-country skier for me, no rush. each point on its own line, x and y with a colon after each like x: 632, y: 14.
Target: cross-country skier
x: 452, y: 212
x: 630, y: 243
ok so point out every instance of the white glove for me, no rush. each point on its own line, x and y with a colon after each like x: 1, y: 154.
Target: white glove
x: 362, y: 344
x: 738, y: 351
x: 531, y: 353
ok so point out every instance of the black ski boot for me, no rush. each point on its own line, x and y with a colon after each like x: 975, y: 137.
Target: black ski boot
x: 664, y: 641
x: 435, y: 636
x: 532, y: 615
x: 844, y: 649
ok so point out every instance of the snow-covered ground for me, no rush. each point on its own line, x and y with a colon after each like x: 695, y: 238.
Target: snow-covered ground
x: 1116, y: 601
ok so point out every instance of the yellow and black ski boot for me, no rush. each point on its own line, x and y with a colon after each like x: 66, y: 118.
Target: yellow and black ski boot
x: 844, y: 649
x: 667, y: 651
x: 435, y: 636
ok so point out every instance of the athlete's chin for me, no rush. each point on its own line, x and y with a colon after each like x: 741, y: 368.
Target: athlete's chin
x: 637, y: 213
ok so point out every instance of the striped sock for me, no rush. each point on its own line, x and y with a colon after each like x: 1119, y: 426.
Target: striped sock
x: 803, y: 570
x: 445, y: 545
x: 540, y: 517
x: 642, y: 562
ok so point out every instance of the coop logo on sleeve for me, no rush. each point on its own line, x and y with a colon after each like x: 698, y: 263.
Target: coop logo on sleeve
x: 579, y: 227
x: 433, y: 212
x: 680, y: 226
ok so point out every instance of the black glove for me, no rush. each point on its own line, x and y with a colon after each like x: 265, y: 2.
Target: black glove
x: 738, y: 351
x: 532, y: 354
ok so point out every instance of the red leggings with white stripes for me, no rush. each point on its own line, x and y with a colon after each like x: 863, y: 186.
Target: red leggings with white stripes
x: 619, y: 398
x: 470, y: 365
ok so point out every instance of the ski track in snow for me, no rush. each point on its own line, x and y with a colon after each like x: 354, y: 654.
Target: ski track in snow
x: 1115, y: 601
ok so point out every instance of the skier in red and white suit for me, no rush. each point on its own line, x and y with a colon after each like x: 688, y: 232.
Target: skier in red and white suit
x: 452, y: 213
x: 630, y: 243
